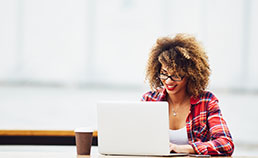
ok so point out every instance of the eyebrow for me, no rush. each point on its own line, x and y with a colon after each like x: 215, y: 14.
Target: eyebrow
x: 166, y: 73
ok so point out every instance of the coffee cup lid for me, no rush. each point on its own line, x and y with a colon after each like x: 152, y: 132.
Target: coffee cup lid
x: 84, y: 129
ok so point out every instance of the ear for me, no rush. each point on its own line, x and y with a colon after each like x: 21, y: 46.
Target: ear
x: 186, y: 79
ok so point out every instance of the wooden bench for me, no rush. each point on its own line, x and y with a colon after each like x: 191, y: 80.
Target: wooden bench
x: 40, y: 137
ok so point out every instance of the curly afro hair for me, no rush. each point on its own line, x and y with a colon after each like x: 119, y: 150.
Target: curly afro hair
x: 182, y: 54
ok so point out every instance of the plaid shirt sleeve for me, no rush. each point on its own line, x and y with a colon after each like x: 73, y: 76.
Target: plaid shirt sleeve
x: 207, y: 131
x: 215, y: 139
x: 159, y: 95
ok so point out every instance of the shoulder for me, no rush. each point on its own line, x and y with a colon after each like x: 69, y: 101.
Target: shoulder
x: 207, y: 100
x: 156, y: 95
x: 206, y: 97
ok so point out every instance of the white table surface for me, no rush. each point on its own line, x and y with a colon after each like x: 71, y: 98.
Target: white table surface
x: 53, y: 151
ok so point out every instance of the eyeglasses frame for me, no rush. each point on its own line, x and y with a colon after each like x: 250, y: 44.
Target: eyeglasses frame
x: 171, y: 77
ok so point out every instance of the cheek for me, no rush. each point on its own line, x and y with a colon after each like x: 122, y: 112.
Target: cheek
x: 184, y: 84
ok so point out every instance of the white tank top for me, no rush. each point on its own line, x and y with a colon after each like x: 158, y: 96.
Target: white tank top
x: 178, y: 137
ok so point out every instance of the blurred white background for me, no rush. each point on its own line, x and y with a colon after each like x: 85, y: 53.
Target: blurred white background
x: 59, y: 57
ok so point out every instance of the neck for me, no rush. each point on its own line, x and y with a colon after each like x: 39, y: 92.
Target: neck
x: 177, y: 99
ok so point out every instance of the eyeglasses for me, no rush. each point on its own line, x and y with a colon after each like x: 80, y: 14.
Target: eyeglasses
x: 172, y: 77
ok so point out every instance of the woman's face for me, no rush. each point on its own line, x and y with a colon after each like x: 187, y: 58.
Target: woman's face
x: 173, y: 84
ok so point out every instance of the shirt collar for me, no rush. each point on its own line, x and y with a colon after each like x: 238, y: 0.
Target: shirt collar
x: 163, y: 96
x: 194, y: 100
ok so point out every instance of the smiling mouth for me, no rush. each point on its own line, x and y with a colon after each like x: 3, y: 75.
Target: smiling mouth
x: 171, y: 87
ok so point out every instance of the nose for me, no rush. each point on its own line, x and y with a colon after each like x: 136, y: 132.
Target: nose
x: 169, y: 80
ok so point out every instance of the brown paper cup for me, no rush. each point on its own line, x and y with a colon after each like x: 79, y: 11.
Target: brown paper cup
x: 83, y: 139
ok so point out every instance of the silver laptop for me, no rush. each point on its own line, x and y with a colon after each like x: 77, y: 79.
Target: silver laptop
x: 133, y: 128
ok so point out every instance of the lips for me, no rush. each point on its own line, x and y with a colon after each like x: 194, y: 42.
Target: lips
x: 171, y: 87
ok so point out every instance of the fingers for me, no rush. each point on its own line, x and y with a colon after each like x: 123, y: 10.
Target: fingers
x: 172, y: 147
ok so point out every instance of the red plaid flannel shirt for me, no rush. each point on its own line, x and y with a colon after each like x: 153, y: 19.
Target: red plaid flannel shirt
x: 207, y: 131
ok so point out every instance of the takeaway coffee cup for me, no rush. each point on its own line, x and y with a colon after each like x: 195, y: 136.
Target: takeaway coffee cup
x: 83, y: 139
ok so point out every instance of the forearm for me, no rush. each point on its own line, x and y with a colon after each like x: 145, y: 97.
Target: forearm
x: 220, y: 146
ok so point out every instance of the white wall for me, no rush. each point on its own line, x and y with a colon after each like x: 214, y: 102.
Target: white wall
x: 7, y: 37
x: 74, y: 41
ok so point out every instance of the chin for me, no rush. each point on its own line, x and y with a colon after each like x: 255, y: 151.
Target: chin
x: 171, y: 92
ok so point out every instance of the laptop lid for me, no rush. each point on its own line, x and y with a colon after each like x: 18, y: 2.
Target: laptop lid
x: 133, y: 128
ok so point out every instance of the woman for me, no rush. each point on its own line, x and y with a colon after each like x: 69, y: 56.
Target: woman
x: 178, y: 72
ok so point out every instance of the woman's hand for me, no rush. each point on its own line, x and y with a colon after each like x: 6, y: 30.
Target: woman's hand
x: 181, y: 148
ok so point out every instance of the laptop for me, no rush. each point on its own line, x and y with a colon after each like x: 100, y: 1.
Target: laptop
x: 133, y: 128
